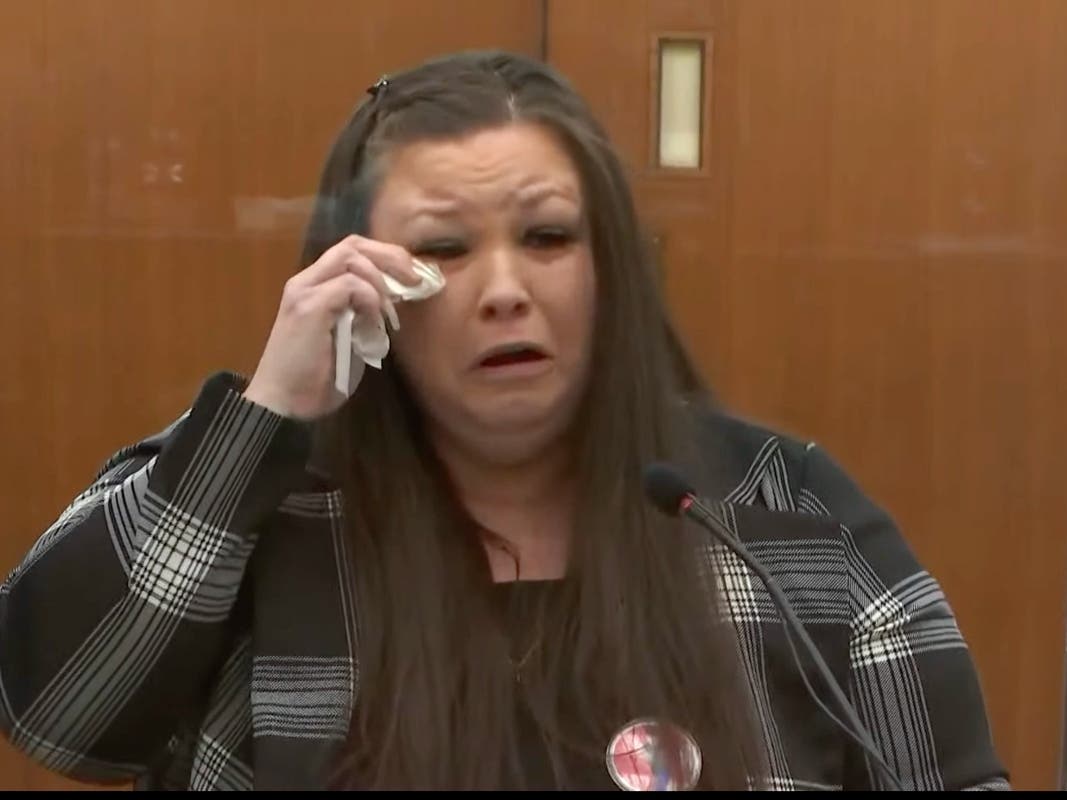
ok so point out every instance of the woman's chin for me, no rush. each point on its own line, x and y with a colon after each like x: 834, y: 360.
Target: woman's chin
x: 518, y: 431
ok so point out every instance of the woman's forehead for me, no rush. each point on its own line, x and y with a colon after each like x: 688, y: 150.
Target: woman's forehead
x: 517, y: 165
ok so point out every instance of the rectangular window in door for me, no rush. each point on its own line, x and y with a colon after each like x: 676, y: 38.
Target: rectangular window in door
x: 680, y: 86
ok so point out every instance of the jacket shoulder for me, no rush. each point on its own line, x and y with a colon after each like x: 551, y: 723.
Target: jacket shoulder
x: 751, y: 463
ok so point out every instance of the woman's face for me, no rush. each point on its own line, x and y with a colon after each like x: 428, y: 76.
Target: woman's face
x: 499, y: 358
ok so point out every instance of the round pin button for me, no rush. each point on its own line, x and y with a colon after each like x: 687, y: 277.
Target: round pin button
x: 639, y: 757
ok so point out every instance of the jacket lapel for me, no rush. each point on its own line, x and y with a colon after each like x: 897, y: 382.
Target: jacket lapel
x: 806, y: 556
x: 303, y: 664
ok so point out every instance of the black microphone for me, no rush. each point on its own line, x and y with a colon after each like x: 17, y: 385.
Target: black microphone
x: 671, y: 494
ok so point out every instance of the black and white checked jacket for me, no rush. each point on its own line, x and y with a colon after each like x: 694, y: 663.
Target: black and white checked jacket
x: 185, y: 622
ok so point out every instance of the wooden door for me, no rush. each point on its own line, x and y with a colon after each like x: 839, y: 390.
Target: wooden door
x: 873, y: 254
x: 159, y: 158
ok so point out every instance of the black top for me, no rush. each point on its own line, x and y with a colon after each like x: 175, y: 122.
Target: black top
x: 579, y: 771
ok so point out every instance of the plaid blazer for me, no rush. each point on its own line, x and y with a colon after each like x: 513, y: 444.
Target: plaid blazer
x: 185, y: 622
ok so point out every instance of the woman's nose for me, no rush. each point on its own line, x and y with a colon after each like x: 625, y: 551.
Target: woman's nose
x: 504, y: 296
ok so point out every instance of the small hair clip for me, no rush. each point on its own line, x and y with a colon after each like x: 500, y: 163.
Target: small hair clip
x: 379, y: 87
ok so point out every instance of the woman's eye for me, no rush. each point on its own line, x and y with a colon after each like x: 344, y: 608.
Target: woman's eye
x: 548, y: 237
x: 440, y: 249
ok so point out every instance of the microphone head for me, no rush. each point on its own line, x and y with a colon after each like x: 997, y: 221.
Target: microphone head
x: 666, y: 488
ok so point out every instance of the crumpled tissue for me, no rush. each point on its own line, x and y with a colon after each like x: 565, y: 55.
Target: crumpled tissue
x: 362, y: 339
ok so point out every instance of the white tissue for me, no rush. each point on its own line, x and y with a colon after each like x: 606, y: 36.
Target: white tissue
x: 365, y: 335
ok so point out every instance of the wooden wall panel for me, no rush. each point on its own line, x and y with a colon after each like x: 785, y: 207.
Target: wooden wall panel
x: 159, y: 159
x: 878, y: 260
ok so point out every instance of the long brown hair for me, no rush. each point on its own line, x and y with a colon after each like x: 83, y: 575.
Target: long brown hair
x: 633, y: 631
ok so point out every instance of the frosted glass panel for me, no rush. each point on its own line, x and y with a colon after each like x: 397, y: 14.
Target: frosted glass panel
x: 681, y: 70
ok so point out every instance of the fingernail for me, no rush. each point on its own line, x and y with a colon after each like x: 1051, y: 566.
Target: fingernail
x: 418, y: 270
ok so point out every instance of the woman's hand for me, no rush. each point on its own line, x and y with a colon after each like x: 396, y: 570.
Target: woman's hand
x: 295, y: 373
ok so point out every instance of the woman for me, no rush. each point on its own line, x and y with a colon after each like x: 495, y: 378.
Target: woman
x: 452, y: 578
